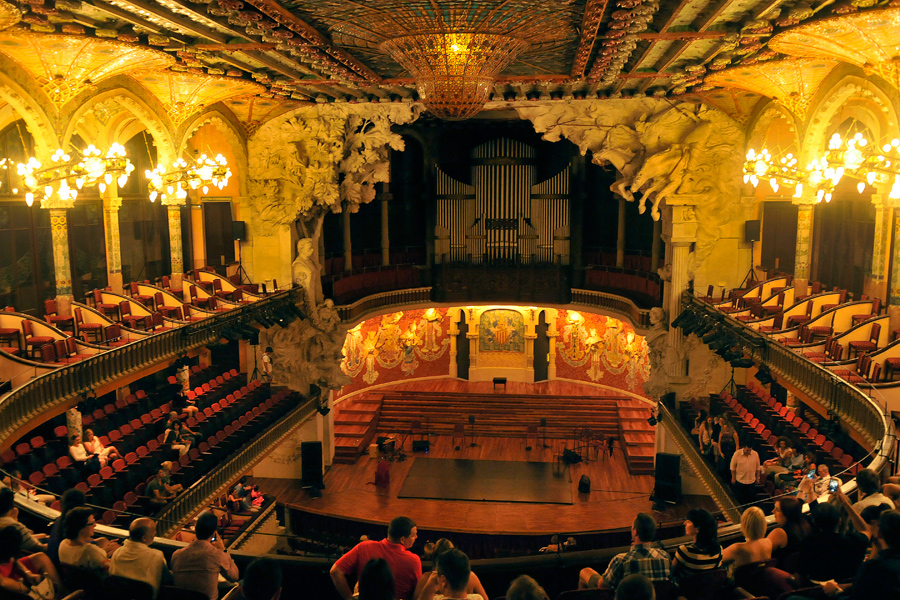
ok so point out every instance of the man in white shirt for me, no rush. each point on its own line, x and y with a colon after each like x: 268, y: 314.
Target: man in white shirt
x: 870, y: 491
x: 137, y: 560
x: 744, y: 469
x: 267, y: 365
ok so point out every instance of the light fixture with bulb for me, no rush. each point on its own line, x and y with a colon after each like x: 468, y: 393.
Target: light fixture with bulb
x: 67, y: 174
x: 184, y: 175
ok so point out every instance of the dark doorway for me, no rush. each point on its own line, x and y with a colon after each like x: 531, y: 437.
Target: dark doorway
x: 218, y: 235
x: 541, y: 349
x: 462, y: 348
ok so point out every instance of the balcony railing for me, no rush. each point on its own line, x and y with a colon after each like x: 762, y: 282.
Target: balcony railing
x: 617, y: 304
x: 851, y: 404
x: 216, y: 482
x: 363, y: 306
x: 54, y: 389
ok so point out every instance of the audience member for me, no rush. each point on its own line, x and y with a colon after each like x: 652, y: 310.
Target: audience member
x: 177, y: 438
x: 703, y: 553
x: 69, y: 500
x: 880, y: 577
x: 267, y: 365
x: 870, y: 493
x: 182, y: 405
x: 93, y: 445
x: 262, y: 580
x: 451, y: 579
x: 705, y: 436
x: 197, y: 566
x: 787, y: 463
x: 823, y: 482
x: 81, y: 456
x: 635, y: 587
x: 524, y: 587
x: 137, y: 560
x: 441, y: 546
x: 757, y: 547
x: 18, y: 575
x: 9, y: 517
x: 21, y: 488
x: 744, y: 471
x: 171, y: 488
x: 77, y: 550
x: 792, y: 529
x: 826, y: 554
x: 376, y: 582
x: 156, y: 489
x: 405, y: 566
x: 800, y: 474
x: 643, y: 557
x: 728, y: 443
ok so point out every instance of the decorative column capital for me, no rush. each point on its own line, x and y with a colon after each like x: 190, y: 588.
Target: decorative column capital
x: 170, y: 201
x: 805, y: 202
x: 112, y: 203
x: 57, y: 204
x: 680, y: 224
x: 878, y: 200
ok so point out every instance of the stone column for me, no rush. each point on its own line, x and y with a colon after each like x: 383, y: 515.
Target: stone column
x: 173, y: 208
x: 385, y: 197
x: 804, y: 233
x: 111, y: 206
x: 679, y: 232
x: 576, y: 218
x: 59, y: 234
x: 880, y: 245
x: 620, y: 236
x: 894, y: 297
x: 348, y: 246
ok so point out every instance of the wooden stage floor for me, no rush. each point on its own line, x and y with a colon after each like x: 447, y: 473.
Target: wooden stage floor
x: 615, y: 498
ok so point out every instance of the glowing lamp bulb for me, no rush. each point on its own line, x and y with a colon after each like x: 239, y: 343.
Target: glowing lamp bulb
x: 153, y: 196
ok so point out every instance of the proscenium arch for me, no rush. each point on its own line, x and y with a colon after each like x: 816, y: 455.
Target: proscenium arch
x: 227, y: 126
x: 153, y: 121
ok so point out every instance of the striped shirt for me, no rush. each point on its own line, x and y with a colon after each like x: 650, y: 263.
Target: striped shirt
x: 646, y: 559
x: 690, y: 560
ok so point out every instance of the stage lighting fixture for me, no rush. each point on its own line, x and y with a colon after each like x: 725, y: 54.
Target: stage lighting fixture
x: 742, y: 363
x: 264, y: 320
x: 684, y: 316
x: 711, y: 336
x: 296, y: 310
x: 764, y: 376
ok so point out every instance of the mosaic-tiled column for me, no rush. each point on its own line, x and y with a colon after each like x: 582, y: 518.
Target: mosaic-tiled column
x: 59, y: 237
x: 895, y: 262
x: 175, y: 253
x: 882, y: 229
x: 111, y: 206
x: 804, y: 235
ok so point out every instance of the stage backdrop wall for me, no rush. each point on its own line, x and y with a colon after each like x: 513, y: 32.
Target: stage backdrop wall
x: 398, y: 346
x: 600, y: 349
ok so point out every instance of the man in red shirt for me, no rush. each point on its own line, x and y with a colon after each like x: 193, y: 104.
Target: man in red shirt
x: 405, y: 566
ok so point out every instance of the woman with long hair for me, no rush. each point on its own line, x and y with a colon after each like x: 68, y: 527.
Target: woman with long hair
x: 703, y: 553
x: 78, y: 549
x: 791, y: 531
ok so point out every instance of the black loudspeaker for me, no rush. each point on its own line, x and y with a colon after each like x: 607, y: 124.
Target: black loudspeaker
x: 543, y: 421
x: 421, y: 445
x: 471, y: 419
x: 570, y: 457
x: 668, y: 478
x: 238, y: 230
x: 584, y: 485
x: 751, y: 231
x: 311, y: 464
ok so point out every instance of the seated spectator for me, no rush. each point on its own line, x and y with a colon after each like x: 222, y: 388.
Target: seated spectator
x: 9, y: 517
x: 198, y: 566
x: 18, y: 575
x: 156, y: 489
x: 182, y: 405
x: 172, y: 488
x: 69, y: 500
x: 262, y: 581
x: 137, y: 560
x: 451, y: 578
x: 792, y: 529
x: 441, y: 546
x: 15, y: 482
x: 524, y: 587
x: 376, y: 582
x: 405, y: 566
x: 757, y: 547
x: 81, y: 456
x: 822, y: 484
x: 870, y: 493
x: 78, y: 549
x: 826, y: 554
x: 792, y: 479
x: 635, y: 587
x: 880, y: 576
x: 786, y: 463
x: 93, y: 445
x: 643, y: 557
x: 177, y: 438
x: 703, y: 553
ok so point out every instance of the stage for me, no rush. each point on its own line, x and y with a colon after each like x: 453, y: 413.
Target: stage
x: 615, y: 497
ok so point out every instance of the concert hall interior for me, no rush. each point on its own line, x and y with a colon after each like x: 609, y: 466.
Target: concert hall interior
x: 517, y: 270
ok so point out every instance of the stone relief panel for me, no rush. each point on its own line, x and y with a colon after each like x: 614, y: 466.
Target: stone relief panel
x: 682, y: 152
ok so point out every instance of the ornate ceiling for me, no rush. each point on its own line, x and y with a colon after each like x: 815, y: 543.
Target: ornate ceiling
x: 302, y: 51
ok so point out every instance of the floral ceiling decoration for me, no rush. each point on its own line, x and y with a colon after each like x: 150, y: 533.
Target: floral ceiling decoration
x: 867, y: 39
x: 253, y: 111
x: 184, y: 94
x: 66, y: 65
x: 9, y: 15
x: 791, y: 83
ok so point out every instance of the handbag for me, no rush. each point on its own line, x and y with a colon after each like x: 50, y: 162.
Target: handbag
x: 42, y: 590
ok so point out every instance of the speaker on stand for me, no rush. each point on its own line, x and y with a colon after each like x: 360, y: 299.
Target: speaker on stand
x: 472, y: 444
x: 667, y: 488
x: 311, y: 467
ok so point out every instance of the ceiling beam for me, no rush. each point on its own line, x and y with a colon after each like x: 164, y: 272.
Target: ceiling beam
x: 590, y: 23
x: 705, y: 20
x: 288, y: 19
x: 234, y: 47
x: 682, y: 35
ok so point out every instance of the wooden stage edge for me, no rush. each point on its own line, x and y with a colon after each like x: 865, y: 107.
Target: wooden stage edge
x: 616, y: 496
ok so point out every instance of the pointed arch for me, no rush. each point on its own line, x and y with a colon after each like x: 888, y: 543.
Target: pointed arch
x: 232, y: 132
x: 40, y: 125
